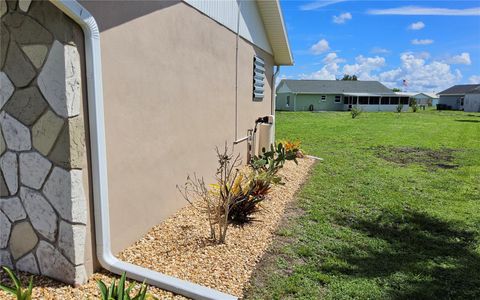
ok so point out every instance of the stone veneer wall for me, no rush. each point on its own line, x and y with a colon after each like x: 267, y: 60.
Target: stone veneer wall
x: 42, y: 142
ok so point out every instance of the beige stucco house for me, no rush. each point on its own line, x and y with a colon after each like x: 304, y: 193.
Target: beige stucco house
x: 126, y: 97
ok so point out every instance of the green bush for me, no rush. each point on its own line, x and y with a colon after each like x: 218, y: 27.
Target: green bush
x: 114, y: 292
x: 399, y: 108
x: 17, y: 290
x: 414, y: 105
x: 355, y: 112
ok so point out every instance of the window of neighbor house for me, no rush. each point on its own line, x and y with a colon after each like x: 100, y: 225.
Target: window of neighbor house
x: 258, y: 78
x: 374, y: 100
x: 363, y: 100
x: 346, y: 99
x: 338, y: 99
x: 394, y: 100
x: 404, y: 100
x: 324, y: 98
x: 385, y: 100
x: 288, y: 101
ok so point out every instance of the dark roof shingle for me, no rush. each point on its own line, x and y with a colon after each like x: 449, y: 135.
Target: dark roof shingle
x: 459, y: 89
x: 335, y: 86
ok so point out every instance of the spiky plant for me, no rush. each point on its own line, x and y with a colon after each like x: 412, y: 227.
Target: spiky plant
x: 17, y: 290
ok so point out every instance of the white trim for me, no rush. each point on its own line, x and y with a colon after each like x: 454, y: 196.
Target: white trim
x: 99, y: 168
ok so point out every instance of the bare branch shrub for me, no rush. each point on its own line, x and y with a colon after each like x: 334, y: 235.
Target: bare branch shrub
x: 217, y: 201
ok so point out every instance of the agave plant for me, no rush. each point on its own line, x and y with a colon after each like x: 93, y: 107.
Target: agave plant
x: 17, y: 290
x: 119, y: 292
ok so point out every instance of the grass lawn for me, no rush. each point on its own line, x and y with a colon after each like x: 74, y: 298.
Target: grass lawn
x: 392, y: 213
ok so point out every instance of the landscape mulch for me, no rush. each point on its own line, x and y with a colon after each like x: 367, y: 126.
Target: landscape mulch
x: 180, y: 247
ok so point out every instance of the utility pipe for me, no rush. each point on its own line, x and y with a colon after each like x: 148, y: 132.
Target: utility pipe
x: 99, y: 168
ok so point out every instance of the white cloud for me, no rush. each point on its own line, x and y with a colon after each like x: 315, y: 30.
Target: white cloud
x: 421, y: 75
x: 378, y: 50
x: 320, y: 47
x: 319, y: 4
x: 332, y: 57
x: 426, y: 11
x: 474, y: 79
x: 417, y: 25
x: 364, y: 66
x: 342, y: 18
x: 329, y: 71
x: 461, y: 59
x: 420, y: 71
x: 421, y: 42
x: 390, y: 76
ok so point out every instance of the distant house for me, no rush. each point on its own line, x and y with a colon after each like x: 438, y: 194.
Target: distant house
x: 337, y: 95
x: 426, y: 99
x: 471, y: 103
x: 423, y: 99
x: 454, y: 97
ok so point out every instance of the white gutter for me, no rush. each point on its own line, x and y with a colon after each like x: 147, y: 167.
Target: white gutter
x: 99, y: 168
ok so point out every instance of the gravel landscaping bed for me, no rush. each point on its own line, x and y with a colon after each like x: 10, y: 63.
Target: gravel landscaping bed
x: 180, y: 247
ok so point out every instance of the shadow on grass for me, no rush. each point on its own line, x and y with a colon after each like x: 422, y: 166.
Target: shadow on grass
x: 420, y: 257
x: 468, y: 121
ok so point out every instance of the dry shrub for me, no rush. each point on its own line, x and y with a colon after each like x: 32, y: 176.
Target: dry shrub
x: 217, y: 201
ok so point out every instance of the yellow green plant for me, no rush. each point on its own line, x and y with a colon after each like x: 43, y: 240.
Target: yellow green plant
x: 17, y: 290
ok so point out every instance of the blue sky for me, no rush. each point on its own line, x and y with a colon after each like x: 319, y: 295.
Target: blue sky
x: 430, y: 44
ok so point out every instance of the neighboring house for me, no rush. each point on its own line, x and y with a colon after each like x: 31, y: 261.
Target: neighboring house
x: 454, y: 97
x: 337, y: 95
x: 471, y: 103
x: 174, y: 80
x: 425, y: 99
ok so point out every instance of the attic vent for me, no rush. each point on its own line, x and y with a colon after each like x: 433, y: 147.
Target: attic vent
x: 258, y: 78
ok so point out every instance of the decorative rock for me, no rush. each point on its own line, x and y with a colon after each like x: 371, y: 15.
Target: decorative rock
x: 3, y: 186
x: 16, y: 135
x: 53, y: 264
x: 6, y: 88
x: 64, y: 189
x: 5, y: 259
x: 13, y: 209
x: 12, y: 4
x: 36, y: 54
x: 4, y: 41
x: 34, y: 169
x: 69, y: 149
x: 41, y: 214
x: 18, y: 68
x: 5, y: 232
x: 3, y: 7
x: 22, y: 240
x: 27, y: 264
x: 26, y: 105
x: 53, y: 19
x: 30, y: 32
x: 24, y: 4
x: 59, y: 80
x: 45, y: 132
x: 9, y: 167
x: 3, y: 146
x: 71, y: 241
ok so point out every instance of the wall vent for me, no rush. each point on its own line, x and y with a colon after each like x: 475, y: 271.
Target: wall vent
x: 258, y: 78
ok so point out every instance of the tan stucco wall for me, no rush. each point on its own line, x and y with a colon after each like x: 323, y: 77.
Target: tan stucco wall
x: 169, y: 92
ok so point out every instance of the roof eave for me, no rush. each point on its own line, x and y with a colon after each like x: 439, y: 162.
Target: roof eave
x: 277, y: 34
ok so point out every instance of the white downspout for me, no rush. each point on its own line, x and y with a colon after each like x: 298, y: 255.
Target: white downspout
x: 99, y: 168
x: 274, y: 89
x: 273, y: 104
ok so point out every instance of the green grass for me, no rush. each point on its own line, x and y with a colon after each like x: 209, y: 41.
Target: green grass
x: 376, y: 229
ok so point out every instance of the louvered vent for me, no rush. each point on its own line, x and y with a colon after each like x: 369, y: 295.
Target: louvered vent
x: 258, y: 78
